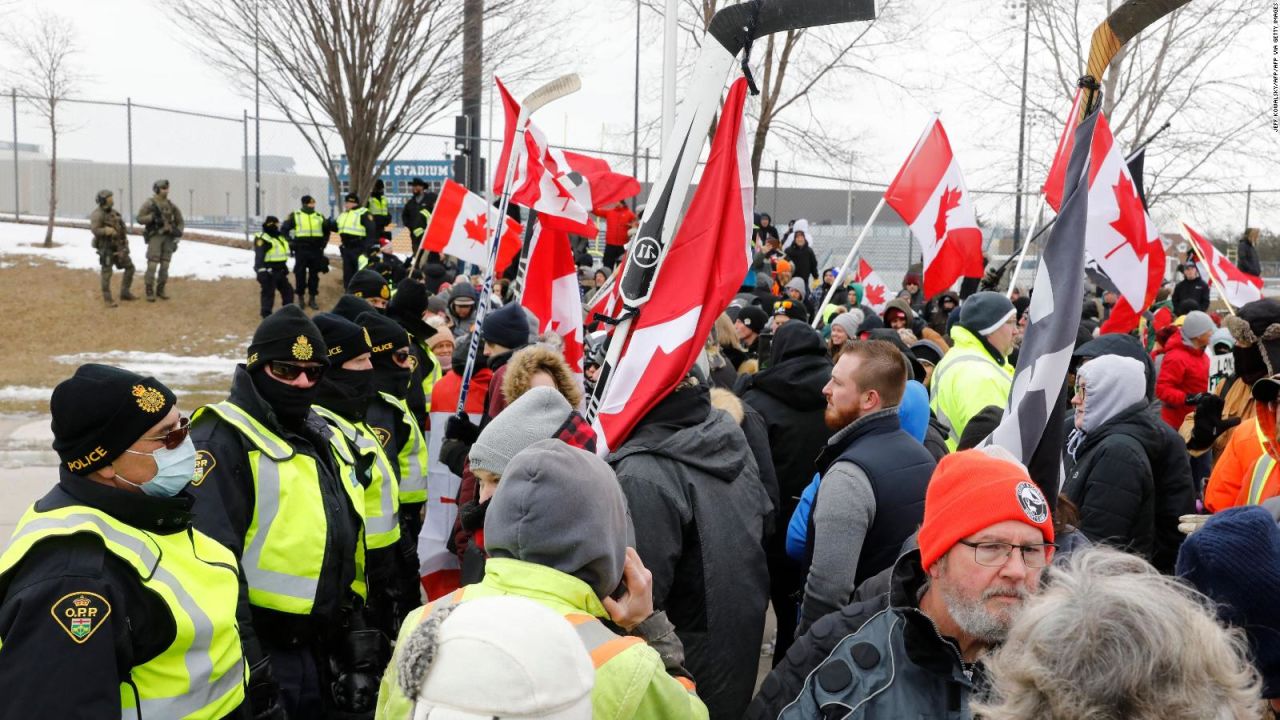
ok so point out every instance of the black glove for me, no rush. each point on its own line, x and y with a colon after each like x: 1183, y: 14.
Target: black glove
x: 1195, y: 398
x: 1209, y: 423
x: 453, y: 453
x: 462, y: 429
x: 264, y: 693
x: 355, y: 693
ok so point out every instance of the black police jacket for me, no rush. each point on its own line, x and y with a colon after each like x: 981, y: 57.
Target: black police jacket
x: 43, y: 671
x: 225, y: 499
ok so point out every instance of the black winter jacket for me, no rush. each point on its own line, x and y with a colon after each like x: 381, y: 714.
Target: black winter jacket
x: 804, y: 262
x: 1110, y: 480
x: 1197, y: 290
x: 699, y: 510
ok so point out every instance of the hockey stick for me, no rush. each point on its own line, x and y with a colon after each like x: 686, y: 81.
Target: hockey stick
x: 733, y: 28
x: 1121, y: 26
x: 558, y: 88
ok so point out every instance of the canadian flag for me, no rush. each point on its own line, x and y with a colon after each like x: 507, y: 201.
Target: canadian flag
x: 551, y: 291
x: 1056, y: 179
x: 542, y: 180
x: 607, y: 301
x: 1237, y: 286
x: 875, y: 293
x: 673, y: 325
x: 460, y: 227
x: 929, y: 193
x: 1120, y: 235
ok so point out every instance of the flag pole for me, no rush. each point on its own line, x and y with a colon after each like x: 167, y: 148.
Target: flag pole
x: 844, y: 267
x: 1208, y: 267
x: 1013, y: 281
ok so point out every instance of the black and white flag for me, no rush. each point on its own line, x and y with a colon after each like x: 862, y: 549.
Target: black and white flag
x: 1032, y: 427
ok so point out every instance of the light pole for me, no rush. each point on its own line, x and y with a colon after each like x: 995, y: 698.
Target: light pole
x: 635, y: 113
x: 1022, y: 126
x: 257, y: 120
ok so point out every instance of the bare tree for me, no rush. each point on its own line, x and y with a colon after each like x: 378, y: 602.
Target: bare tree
x: 47, y: 76
x: 359, y: 75
x: 795, y: 67
x: 1182, y: 70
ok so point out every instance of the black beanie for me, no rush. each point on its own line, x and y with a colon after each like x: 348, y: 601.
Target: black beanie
x: 352, y: 307
x: 792, y: 309
x: 100, y: 411
x: 369, y: 284
x: 269, y: 222
x: 407, y: 306
x: 286, y: 334
x: 385, y: 334
x: 507, y: 326
x: 346, y: 340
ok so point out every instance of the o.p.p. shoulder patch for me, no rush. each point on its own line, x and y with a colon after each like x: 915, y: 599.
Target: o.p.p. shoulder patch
x: 80, y: 614
x: 205, y: 463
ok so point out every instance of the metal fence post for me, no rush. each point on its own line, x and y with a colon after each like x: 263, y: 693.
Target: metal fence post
x: 245, y: 164
x: 15, y: 155
x: 775, y: 188
x: 128, y: 123
x: 646, y: 165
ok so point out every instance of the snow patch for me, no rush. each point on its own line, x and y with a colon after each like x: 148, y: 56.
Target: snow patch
x: 177, y: 371
x: 73, y: 248
x: 24, y: 393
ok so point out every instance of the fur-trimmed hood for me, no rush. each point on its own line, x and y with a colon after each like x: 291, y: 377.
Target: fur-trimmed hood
x: 528, y: 361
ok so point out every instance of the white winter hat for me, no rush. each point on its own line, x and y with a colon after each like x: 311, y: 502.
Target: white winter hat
x: 499, y: 657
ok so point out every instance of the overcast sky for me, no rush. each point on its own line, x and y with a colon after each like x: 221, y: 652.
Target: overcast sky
x: 131, y: 49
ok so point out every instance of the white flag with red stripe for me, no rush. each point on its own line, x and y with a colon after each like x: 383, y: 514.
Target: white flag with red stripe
x: 1120, y: 235
x: 551, y: 291
x: 1056, y: 179
x: 1237, y: 286
x: 930, y: 195
x: 460, y: 226
x: 875, y: 293
x: 542, y: 180
x: 672, y: 327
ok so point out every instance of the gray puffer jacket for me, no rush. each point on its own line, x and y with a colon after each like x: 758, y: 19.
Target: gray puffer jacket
x: 699, y: 510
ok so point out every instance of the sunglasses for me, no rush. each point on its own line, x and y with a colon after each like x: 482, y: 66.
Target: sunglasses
x: 288, y: 371
x: 173, y: 438
x: 401, y: 356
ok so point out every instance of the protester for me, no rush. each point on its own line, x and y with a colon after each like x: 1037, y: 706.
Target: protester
x: 695, y: 491
x: 461, y: 308
x: 874, y: 476
x: 1111, y: 638
x: 559, y: 534
x: 911, y: 652
x: 800, y: 253
x: 975, y: 372
x: 1108, y: 475
x: 1191, y: 288
x: 1184, y: 374
x: 788, y: 394
x: 1235, y: 560
x: 912, y: 291
x: 750, y: 324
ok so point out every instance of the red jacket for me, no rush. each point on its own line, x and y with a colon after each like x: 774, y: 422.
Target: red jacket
x: 617, y: 220
x: 1184, y: 371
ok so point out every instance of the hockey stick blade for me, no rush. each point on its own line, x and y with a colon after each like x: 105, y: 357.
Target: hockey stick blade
x: 771, y: 16
x: 554, y: 90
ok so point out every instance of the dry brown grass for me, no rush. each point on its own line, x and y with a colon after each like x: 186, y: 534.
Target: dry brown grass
x: 48, y: 310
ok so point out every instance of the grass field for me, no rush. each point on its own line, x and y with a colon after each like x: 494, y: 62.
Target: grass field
x: 47, y: 311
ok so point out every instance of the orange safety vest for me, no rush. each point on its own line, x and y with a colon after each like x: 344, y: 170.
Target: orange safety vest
x: 1255, y: 492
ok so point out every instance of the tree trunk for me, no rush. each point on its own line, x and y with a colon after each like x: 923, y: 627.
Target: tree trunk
x: 53, y: 176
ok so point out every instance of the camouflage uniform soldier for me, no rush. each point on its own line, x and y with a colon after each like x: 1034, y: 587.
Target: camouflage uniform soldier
x: 111, y: 241
x: 162, y: 226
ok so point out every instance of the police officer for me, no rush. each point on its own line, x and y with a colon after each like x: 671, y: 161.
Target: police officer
x: 271, y: 263
x: 278, y: 489
x: 411, y: 214
x: 372, y: 287
x: 310, y: 233
x: 400, y: 432
x: 356, y: 230
x: 111, y: 603
x: 111, y: 240
x: 162, y: 226
x: 345, y: 393
x: 377, y: 205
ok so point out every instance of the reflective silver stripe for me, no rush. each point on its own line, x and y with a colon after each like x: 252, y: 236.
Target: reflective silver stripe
x: 593, y: 634
x: 412, y: 478
x: 386, y: 520
x: 294, y: 586
x: 1261, y: 470
x: 276, y: 448
x: 306, y: 226
x: 203, y: 690
x: 946, y: 423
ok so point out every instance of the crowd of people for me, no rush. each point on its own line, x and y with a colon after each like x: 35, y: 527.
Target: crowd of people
x: 334, y: 540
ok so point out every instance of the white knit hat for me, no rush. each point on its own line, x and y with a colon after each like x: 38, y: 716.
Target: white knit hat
x: 498, y: 657
x: 535, y: 415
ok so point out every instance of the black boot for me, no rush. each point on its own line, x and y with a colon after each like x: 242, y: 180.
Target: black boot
x: 106, y: 298
x: 311, y: 303
x: 151, y: 293
x: 160, y: 292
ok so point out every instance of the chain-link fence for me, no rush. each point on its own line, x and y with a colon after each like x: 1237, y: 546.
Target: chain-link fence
x: 228, y: 170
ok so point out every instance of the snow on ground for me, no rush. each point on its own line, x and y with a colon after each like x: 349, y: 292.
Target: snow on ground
x: 178, y: 371
x: 24, y: 393
x: 73, y: 248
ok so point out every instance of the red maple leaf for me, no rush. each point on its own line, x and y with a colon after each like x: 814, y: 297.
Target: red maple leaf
x: 875, y: 294
x: 476, y: 230
x: 1132, y: 223
x: 950, y: 201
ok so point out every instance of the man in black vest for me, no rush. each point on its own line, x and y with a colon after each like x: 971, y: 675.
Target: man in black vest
x: 874, y: 476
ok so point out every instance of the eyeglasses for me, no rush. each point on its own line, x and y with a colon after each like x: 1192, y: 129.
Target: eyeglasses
x: 289, y: 372
x: 401, y: 356
x: 173, y: 438
x: 996, y: 554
